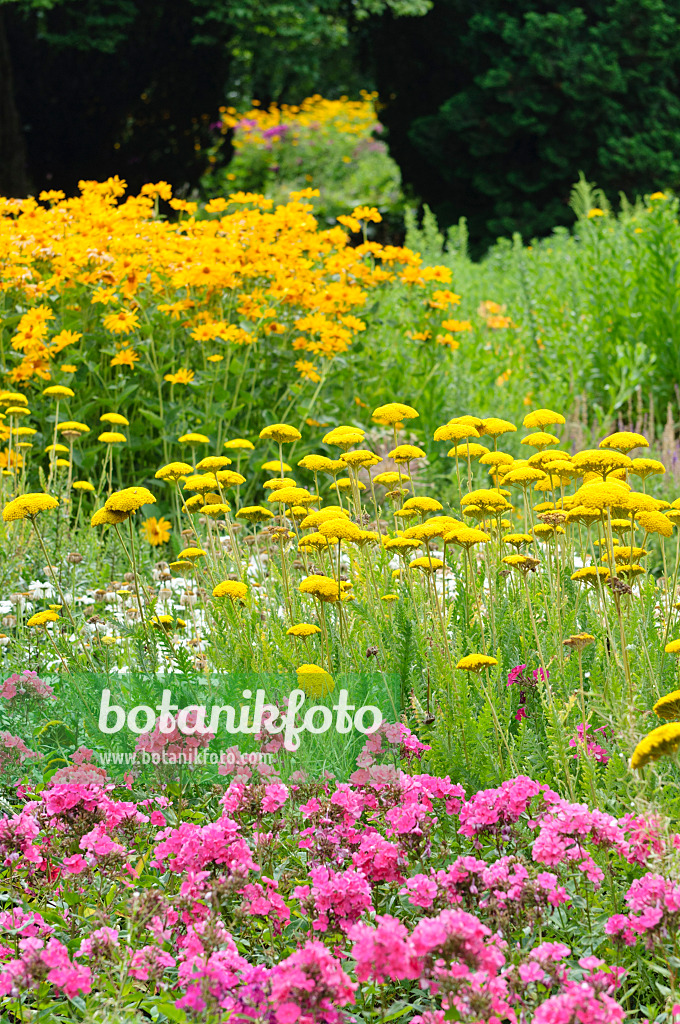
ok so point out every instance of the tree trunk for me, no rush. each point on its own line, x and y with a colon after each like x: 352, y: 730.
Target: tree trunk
x: 13, y: 172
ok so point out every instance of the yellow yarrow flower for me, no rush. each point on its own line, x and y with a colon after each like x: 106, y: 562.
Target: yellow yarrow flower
x: 303, y: 629
x: 108, y: 517
x: 280, y: 432
x: 393, y: 413
x: 191, y: 554
x: 624, y: 441
x: 315, y: 681
x: 659, y: 742
x: 476, y: 662
x: 542, y: 418
x: 115, y: 418
x: 112, y: 437
x: 233, y: 589
x: 28, y: 506
x: 426, y: 564
x: 240, y: 442
x: 668, y: 707
x: 174, y: 471
x: 254, y: 514
x: 42, y: 618
x: 322, y: 587
x: 130, y: 499
x: 59, y: 391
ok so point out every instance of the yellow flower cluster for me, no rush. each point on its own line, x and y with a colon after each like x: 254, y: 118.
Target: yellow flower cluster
x: 110, y: 259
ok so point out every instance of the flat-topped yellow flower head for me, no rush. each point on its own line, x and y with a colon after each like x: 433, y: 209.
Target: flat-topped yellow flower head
x: 240, y: 443
x: 455, y: 432
x: 476, y: 662
x: 193, y: 438
x: 494, y: 427
x: 59, y: 391
x: 42, y: 618
x: 108, y: 517
x: 360, y: 458
x: 191, y: 554
x: 115, y: 418
x: 393, y: 413
x: 423, y: 505
x: 540, y: 418
x: 303, y: 629
x: 344, y: 437
x: 624, y: 441
x: 229, y: 478
x: 323, y: 588
x: 174, y: 471
x: 659, y: 742
x: 211, y: 463
x: 233, y: 589
x: 254, y: 514
x: 129, y: 500
x: 282, y: 433
x: 647, y: 467
x: 314, y: 681
x: 404, y: 453
x: 668, y: 708
x: 426, y: 564
x: 28, y: 506
x: 72, y: 427
x: 112, y: 437
x: 319, y: 464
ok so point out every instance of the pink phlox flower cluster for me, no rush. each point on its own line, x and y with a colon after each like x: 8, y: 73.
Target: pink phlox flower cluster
x: 261, y: 899
x: 653, y: 899
x: 383, y: 950
x: 195, y: 846
x: 352, y: 802
x: 62, y: 798
x: 25, y: 925
x: 583, y: 740
x: 208, y: 976
x: 99, y: 843
x: 377, y: 775
x: 13, y: 750
x: 80, y: 774
x: 310, y: 987
x: 27, y: 685
x: 81, y: 770
x: 564, y: 830
x: 379, y: 860
x: 335, y: 898
x: 474, y: 881
x: 643, y: 836
x: 149, y: 963
x: 100, y: 942
x: 37, y: 963
x: 492, y: 810
x: 275, y: 796
x: 175, y: 743
x: 17, y: 835
x: 431, y: 787
x: 402, y: 743
x: 457, y: 938
x: 581, y: 1003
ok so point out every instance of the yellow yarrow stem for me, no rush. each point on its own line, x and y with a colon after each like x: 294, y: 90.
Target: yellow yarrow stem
x: 64, y: 602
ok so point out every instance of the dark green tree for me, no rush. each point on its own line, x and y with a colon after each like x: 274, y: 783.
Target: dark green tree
x: 497, y: 106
